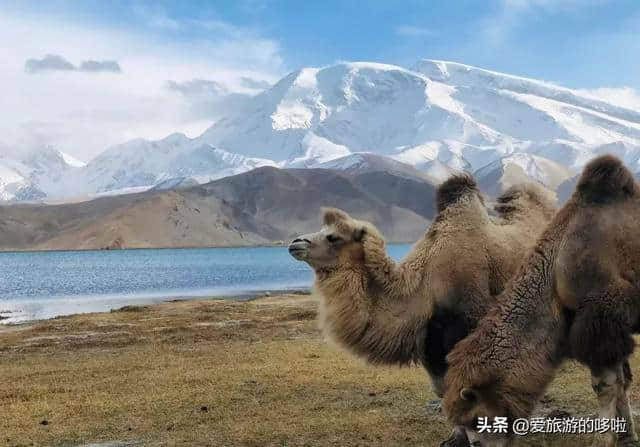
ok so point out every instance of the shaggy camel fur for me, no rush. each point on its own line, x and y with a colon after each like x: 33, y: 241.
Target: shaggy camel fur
x: 576, y: 295
x: 417, y: 310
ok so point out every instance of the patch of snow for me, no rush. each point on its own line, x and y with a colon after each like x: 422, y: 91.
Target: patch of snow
x: 72, y: 161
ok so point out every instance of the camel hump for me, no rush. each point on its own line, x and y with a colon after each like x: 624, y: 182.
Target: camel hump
x: 523, y: 197
x: 454, y: 188
x: 605, y: 178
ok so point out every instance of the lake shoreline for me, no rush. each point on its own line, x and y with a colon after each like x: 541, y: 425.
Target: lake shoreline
x: 39, y: 285
x: 7, y: 315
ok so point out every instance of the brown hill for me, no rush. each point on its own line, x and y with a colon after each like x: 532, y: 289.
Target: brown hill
x: 265, y: 205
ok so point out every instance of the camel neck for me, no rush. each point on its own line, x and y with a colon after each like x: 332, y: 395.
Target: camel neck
x: 528, y: 331
x: 358, y: 315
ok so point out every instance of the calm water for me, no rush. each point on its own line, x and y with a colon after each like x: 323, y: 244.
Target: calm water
x: 46, y: 284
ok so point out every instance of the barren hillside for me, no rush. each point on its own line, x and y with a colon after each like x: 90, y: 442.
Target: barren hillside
x: 266, y: 205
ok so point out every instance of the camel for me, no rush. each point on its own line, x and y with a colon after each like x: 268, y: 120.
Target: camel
x: 576, y: 295
x: 416, y: 311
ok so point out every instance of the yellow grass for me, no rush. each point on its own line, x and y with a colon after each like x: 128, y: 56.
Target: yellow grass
x: 219, y: 373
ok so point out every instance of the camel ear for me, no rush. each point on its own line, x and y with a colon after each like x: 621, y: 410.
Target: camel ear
x: 333, y: 215
x: 358, y: 234
x: 469, y: 394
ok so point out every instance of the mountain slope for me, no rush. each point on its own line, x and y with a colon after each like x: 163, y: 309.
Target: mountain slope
x: 439, y: 118
x: 473, y: 116
x: 366, y: 162
x: 143, y: 163
x: 261, y: 206
x: 26, y: 176
x: 465, y: 75
x: 282, y: 203
x: 517, y: 168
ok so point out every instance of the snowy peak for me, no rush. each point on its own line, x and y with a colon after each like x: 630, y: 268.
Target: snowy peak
x: 457, y: 74
x: 11, y: 179
x: 30, y: 175
x: 71, y: 160
x: 520, y: 167
x: 317, y: 113
x: 144, y: 164
x: 367, y: 162
x: 49, y: 159
x: 431, y: 121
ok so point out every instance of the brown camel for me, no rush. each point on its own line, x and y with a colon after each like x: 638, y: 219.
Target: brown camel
x: 576, y: 295
x: 416, y: 311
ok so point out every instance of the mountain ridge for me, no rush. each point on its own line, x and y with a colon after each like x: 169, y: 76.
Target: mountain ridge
x: 263, y: 206
x: 438, y: 117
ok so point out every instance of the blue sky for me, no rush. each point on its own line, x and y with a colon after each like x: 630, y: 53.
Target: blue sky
x: 578, y: 43
x: 155, y: 67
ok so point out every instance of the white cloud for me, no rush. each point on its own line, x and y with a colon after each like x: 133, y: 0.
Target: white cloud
x: 255, y: 84
x: 81, y: 112
x: 498, y: 28
x: 55, y: 62
x: 155, y: 16
x: 207, y: 99
x: 552, y: 5
x: 414, y: 31
x: 51, y: 62
x: 100, y: 66
x: 198, y: 87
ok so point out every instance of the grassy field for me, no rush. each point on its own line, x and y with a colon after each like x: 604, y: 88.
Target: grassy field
x: 220, y: 373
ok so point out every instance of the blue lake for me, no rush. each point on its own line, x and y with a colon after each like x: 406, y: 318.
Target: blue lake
x: 45, y: 284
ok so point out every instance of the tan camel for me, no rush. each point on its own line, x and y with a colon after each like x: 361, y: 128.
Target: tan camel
x: 577, y: 295
x: 416, y: 311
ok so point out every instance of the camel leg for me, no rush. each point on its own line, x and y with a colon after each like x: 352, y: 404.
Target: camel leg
x: 600, y: 337
x: 623, y: 407
x: 606, y: 383
x: 437, y: 384
x: 458, y: 438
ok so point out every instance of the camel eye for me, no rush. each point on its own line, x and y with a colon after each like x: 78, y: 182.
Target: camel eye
x: 332, y: 238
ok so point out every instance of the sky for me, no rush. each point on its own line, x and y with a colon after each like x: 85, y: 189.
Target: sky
x: 82, y: 76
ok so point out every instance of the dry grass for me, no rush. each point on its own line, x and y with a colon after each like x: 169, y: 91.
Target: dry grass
x: 218, y: 373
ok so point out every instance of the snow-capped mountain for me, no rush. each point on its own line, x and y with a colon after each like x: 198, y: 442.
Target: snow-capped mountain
x: 12, y: 179
x: 517, y: 168
x: 143, y: 163
x: 438, y: 117
x: 35, y: 174
x: 366, y: 162
x: 463, y: 116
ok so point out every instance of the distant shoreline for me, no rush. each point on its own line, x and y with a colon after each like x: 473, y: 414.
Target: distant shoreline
x: 64, y: 250
x: 7, y: 315
x: 245, y: 296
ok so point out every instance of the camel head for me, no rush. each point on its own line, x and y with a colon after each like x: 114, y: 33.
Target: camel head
x: 491, y: 400
x: 474, y: 410
x: 339, y: 242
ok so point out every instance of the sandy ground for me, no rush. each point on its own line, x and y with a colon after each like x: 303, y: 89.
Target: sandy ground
x: 221, y: 373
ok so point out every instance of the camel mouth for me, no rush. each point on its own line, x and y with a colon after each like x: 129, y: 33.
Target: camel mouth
x: 298, y: 250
